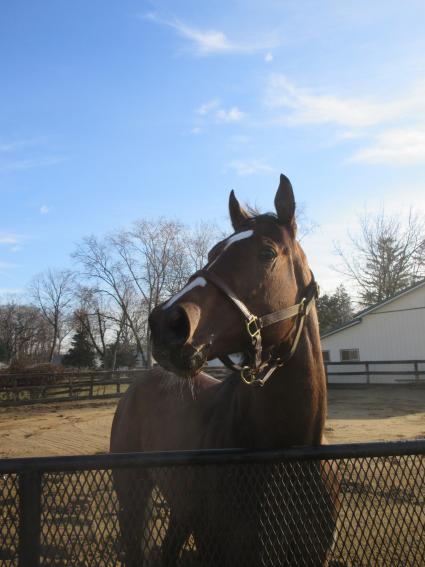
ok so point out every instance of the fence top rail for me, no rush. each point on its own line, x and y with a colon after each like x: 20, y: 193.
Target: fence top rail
x: 362, y: 362
x: 79, y: 373
x: 378, y: 373
x: 211, y: 456
x: 66, y: 374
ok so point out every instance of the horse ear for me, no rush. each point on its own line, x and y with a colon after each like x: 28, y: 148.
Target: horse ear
x: 284, y: 202
x: 238, y: 215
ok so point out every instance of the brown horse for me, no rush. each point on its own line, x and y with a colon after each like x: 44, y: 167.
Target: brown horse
x: 275, y: 398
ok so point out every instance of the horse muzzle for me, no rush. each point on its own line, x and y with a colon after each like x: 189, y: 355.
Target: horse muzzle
x: 171, y: 333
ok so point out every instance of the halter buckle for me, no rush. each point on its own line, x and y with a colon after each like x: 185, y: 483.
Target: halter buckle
x: 253, y: 327
x: 248, y: 376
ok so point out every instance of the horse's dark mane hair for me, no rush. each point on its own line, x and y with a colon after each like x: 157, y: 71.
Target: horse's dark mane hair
x: 256, y: 216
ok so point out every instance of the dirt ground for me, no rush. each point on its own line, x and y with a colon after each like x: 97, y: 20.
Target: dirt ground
x: 69, y: 428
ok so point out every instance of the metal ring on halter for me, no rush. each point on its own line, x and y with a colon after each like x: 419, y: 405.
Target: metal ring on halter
x: 253, y: 327
x: 250, y: 373
x: 254, y: 324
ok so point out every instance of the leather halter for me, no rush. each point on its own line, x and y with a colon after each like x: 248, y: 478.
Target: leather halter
x: 260, y: 371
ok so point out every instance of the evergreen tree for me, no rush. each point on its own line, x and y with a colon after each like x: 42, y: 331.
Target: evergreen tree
x: 334, y: 309
x: 121, y: 355
x: 81, y: 353
x: 3, y: 352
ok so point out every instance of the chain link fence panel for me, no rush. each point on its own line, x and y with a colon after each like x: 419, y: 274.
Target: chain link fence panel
x: 294, y: 508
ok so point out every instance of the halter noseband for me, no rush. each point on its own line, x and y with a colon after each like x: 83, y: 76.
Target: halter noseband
x: 261, y: 370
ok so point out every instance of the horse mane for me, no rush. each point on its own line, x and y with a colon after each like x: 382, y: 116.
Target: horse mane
x: 256, y: 215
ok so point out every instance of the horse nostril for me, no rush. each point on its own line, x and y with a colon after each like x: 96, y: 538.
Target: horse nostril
x: 178, y: 326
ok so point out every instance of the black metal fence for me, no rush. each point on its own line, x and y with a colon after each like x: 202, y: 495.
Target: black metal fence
x: 353, y: 505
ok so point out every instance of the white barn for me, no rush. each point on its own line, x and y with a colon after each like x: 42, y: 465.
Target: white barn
x: 391, y: 330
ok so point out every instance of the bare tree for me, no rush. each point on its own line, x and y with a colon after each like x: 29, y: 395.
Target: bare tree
x: 155, y: 258
x: 386, y: 256
x: 141, y: 267
x: 305, y: 225
x: 104, y: 267
x: 91, y: 317
x: 52, y: 292
x: 24, y: 334
x: 199, y: 242
x: 102, y: 323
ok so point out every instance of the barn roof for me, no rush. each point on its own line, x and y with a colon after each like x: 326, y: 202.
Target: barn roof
x: 358, y: 317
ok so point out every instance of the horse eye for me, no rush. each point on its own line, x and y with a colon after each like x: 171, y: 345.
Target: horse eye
x: 267, y: 254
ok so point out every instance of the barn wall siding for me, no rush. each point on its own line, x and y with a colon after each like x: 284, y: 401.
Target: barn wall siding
x: 396, y: 331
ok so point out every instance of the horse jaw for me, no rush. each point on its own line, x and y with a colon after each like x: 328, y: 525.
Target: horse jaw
x: 186, y: 361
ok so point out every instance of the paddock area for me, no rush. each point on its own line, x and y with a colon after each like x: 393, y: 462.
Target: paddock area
x: 355, y: 414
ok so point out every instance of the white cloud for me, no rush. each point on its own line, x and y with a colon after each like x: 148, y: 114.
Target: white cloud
x: 206, y: 107
x: 234, y: 114
x: 9, y: 147
x: 208, y: 42
x: 308, y: 107
x: 395, y: 146
x: 4, y: 266
x: 249, y: 167
x: 212, y: 109
x: 10, y: 291
x: 19, y: 144
x: 44, y: 209
x: 25, y: 164
x: 239, y: 140
x: 12, y: 241
x: 268, y: 58
x: 9, y: 238
x: 389, y: 127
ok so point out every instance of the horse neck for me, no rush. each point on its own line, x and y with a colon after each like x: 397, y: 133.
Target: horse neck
x: 290, y: 409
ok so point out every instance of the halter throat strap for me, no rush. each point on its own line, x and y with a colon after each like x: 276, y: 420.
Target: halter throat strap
x: 260, y: 371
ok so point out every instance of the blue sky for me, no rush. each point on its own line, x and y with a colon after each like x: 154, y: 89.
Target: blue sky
x: 112, y: 111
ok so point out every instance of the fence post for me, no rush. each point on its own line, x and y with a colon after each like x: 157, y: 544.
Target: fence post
x: 29, y: 519
x: 16, y: 388
x: 416, y: 371
x: 367, y: 373
x: 91, y: 386
x: 119, y: 383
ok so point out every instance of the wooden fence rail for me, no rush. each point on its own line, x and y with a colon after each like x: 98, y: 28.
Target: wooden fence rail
x: 376, y: 372
x: 21, y: 389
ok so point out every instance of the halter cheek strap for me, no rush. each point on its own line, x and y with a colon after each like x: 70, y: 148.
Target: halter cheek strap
x: 261, y: 370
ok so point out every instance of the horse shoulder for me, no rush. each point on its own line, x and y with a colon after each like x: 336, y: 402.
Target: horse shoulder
x: 156, y: 410
x: 137, y: 401
x: 204, y: 381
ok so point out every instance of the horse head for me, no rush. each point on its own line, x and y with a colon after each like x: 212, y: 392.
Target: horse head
x: 248, y: 299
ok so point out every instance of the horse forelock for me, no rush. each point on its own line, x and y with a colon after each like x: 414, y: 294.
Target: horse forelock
x: 264, y: 222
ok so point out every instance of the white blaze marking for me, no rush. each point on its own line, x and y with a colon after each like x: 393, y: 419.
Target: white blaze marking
x: 200, y: 281
x: 231, y: 240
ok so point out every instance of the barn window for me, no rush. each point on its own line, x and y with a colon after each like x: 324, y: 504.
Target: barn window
x: 348, y: 354
x: 326, y: 356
